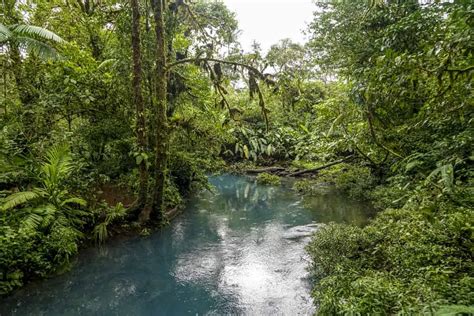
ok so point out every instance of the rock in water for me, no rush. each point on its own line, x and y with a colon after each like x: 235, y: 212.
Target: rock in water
x: 303, y: 231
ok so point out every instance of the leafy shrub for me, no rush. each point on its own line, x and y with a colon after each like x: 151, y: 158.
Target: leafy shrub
x: 172, y: 195
x: 268, y: 179
x: 185, y: 170
x: 310, y: 187
x: 356, y: 180
x: 393, y: 194
x: 109, y: 215
x: 41, y: 227
x: 406, y: 261
x: 13, y: 166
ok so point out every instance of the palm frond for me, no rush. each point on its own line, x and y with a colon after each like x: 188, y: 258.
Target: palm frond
x: 31, y: 221
x: 100, y: 232
x: 37, y: 32
x: 58, y: 164
x: 60, y: 156
x: 74, y: 200
x: 19, y: 198
x: 47, y: 212
x: 76, y: 222
x: 5, y: 33
x: 36, y: 47
x: 76, y: 213
x: 107, y: 63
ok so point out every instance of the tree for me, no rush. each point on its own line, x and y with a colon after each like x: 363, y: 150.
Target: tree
x: 161, y: 84
x: 164, y: 32
x: 140, y: 110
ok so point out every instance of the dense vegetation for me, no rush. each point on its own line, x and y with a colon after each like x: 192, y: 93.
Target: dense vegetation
x: 139, y: 99
x: 408, y: 111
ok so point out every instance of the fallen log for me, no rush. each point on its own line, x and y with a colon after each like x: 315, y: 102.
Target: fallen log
x: 269, y: 170
x: 313, y: 170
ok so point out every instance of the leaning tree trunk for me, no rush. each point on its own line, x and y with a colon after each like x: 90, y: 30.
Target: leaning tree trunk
x: 161, y: 118
x: 140, y: 110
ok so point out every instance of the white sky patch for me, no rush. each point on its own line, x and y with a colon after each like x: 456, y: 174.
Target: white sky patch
x: 268, y: 21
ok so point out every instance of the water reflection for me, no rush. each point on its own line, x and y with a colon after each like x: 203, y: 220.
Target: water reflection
x: 239, y: 250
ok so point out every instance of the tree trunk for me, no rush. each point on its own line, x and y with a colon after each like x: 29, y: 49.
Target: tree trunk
x: 139, y: 105
x: 161, y: 118
x: 18, y: 72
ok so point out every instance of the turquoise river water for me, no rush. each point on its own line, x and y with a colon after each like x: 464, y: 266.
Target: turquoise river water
x: 238, y: 250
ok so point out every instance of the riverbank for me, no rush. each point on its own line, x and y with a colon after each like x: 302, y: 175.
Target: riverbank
x: 417, y: 248
x: 236, y: 250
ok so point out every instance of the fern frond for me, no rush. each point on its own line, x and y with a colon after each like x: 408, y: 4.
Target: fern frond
x: 77, y: 221
x: 75, y: 213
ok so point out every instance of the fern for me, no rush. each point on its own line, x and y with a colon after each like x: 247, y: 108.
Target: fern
x: 101, y: 229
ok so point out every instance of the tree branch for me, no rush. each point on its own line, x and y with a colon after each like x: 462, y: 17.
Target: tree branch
x: 298, y: 173
x: 269, y: 169
x: 227, y: 62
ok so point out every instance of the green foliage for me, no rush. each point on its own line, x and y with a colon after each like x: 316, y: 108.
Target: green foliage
x: 388, y: 83
x: 43, y: 225
x: 268, y: 179
x: 109, y: 215
x: 453, y: 310
x: 405, y: 261
x: 406, y: 111
x: 311, y: 187
x: 252, y: 144
x: 187, y: 171
x: 32, y: 38
x: 172, y: 197
x: 50, y: 203
x: 356, y: 180
x: 14, y: 168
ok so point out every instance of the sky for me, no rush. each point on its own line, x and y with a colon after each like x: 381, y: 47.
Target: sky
x: 268, y: 21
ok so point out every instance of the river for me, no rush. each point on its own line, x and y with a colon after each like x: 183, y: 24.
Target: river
x: 237, y: 250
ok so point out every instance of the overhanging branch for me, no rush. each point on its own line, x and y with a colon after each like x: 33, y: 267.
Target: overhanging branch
x: 223, y: 61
